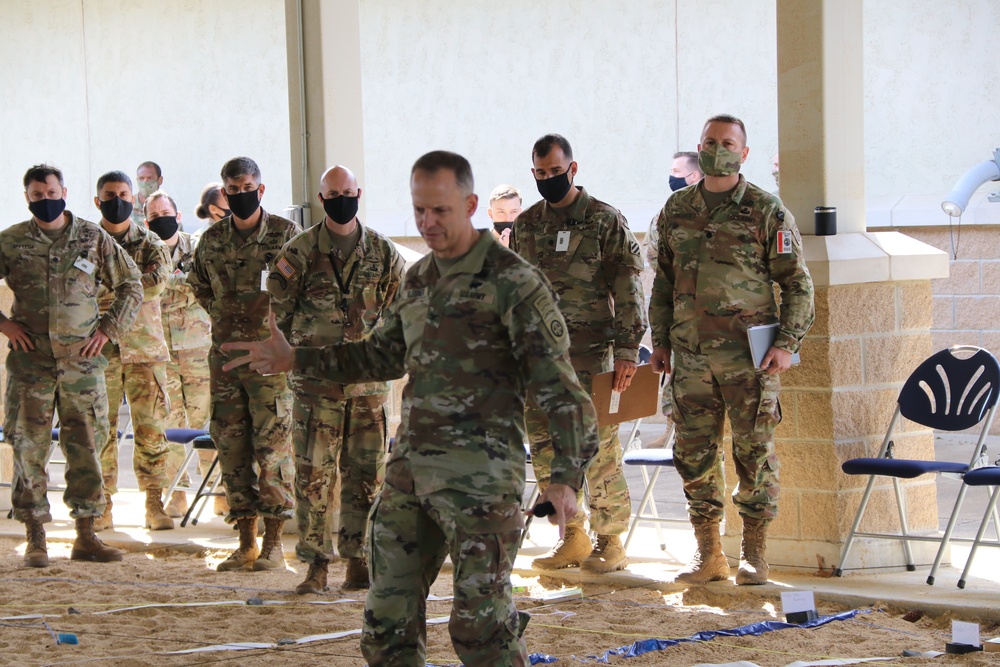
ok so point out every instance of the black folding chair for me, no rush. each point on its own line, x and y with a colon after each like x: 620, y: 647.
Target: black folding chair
x: 946, y: 393
x: 988, y: 476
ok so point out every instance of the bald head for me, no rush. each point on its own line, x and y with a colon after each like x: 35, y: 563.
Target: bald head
x: 338, y: 181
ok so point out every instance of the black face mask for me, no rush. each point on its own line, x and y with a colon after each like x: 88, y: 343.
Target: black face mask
x: 677, y: 182
x: 47, y: 210
x: 501, y: 227
x: 555, y: 189
x: 244, y: 204
x: 341, y: 209
x: 116, y: 210
x: 164, y: 226
x: 225, y: 212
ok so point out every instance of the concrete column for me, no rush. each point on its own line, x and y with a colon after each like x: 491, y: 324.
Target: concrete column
x: 873, y: 310
x: 324, y: 94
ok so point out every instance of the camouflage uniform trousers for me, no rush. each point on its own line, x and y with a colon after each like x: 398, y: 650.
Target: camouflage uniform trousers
x: 251, y: 426
x: 410, y: 537
x: 37, y: 385
x: 722, y: 380
x: 610, y: 502
x: 145, y: 387
x: 188, y: 381
x: 340, y: 447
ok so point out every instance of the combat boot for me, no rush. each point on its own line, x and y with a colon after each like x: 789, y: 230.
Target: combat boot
x: 709, y: 563
x: 36, y: 554
x: 357, y: 575
x: 608, y: 556
x: 178, y: 505
x: 156, y: 515
x: 753, y: 568
x: 247, y: 552
x: 570, y: 551
x: 271, y: 556
x: 89, y: 547
x: 315, y: 582
x: 105, y: 521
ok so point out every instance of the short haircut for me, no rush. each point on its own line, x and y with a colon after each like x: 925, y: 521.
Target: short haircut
x: 238, y: 167
x: 114, y: 177
x: 159, y: 194
x: 435, y: 161
x: 505, y: 192
x: 544, y: 146
x: 726, y: 118
x: 690, y: 158
x: 41, y: 172
x: 210, y: 196
x: 150, y: 163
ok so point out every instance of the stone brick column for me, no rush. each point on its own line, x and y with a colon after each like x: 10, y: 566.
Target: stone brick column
x: 873, y: 308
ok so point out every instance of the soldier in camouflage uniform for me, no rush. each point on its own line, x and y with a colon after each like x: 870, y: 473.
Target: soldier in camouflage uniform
x: 53, y: 263
x: 149, y: 179
x: 477, y: 328
x: 137, y: 362
x: 723, y: 244
x: 585, y: 249
x: 187, y: 333
x: 331, y: 284
x: 251, y: 415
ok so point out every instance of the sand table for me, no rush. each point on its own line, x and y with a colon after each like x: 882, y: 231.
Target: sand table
x: 73, y: 595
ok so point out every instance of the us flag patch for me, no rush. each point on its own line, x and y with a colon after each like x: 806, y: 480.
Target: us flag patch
x: 284, y: 268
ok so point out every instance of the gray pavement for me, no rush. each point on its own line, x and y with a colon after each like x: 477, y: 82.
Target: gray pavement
x: 649, y: 565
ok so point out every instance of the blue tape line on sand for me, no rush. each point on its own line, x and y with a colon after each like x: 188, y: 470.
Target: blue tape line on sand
x: 647, y: 645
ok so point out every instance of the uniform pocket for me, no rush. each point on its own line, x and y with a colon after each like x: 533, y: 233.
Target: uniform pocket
x: 769, y: 408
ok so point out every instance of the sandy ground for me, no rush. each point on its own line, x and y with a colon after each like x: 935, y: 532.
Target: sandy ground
x: 72, y: 595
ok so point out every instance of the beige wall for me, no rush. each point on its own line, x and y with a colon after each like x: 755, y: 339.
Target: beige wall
x: 101, y: 84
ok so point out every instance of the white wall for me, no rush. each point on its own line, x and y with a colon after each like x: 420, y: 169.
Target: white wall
x: 97, y: 85
x: 93, y: 85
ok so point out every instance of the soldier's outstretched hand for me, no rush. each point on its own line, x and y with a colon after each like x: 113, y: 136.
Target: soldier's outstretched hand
x: 267, y: 357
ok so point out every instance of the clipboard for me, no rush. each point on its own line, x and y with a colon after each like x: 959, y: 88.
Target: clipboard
x: 761, y: 339
x: 641, y: 399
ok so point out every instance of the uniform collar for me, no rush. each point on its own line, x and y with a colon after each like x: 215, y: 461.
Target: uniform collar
x: 230, y: 228
x: 470, y: 262
x: 735, y: 197
x: 72, y: 223
x: 575, y: 211
x: 324, y: 240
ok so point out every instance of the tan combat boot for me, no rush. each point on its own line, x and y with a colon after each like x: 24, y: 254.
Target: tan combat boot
x: 247, y: 552
x: 89, y: 547
x: 315, y: 582
x: 271, y: 556
x: 105, y: 521
x: 357, y: 575
x: 753, y: 568
x: 709, y: 563
x: 570, y: 551
x: 156, y: 515
x: 178, y: 505
x: 608, y: 556
x: 36, y: 554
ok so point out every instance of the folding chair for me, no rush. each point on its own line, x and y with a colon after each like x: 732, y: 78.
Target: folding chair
x: 657, y: 459
x: 204, y: 443
x: 945, y: 393
x: 186, y: 437
x: 988, y: 476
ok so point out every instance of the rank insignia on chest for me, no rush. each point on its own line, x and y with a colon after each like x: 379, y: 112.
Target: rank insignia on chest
x: 285, y: 268
x: 784, y: 242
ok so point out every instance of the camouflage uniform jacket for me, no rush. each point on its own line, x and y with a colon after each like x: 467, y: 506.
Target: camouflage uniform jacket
x: 143, y: 343
x: 715, y: 270
x: 229, y: 276
x: 596, y: 276
x: 308, y: 304
x: 185, y: 323
x: 55, y: 283
x: 473, y: 341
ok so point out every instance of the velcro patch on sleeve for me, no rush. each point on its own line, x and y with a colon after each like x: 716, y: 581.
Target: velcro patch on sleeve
x: 284, y: 267
x: 552, y: 320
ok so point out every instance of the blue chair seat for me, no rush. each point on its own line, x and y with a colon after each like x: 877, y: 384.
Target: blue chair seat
x: 184, y: 435
x: 904, y: 468
x: 986, y: 476
x: 649, y: 457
